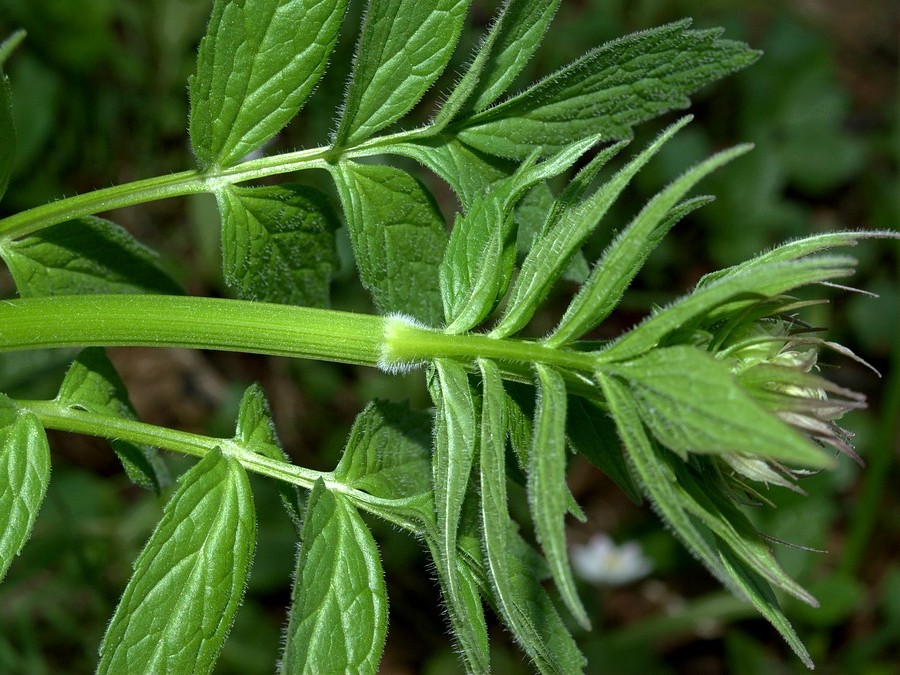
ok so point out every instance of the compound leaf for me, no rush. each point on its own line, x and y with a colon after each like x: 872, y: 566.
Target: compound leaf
x: 256, y: 432
x: 388, y: 452
x: 548, y: 494
x: 278, y: 243
x: 693, y: 404
x: 398, y: 236
x: 403, y: 47
x: 607, y: 91
x: 83, y: 256
x: 7, y: 124
x: 93, y: 385
x: 25, y: 467
x: 189, y: 579
x: 257, y: 64
x: 338, y: 618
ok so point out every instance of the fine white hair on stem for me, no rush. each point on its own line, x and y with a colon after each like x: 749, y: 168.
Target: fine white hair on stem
x: 390, y: 361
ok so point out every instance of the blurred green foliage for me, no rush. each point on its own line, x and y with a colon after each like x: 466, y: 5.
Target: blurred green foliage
x: 100, y: 98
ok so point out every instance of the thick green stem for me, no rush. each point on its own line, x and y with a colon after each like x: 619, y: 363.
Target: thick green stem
x: 392, y: 343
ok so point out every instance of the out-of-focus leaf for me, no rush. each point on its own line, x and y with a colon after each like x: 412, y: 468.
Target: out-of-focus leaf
x: 7, y: 125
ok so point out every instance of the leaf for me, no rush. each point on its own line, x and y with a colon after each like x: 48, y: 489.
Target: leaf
x: 656, y: 475
x: 472, y: 270
x: 548, y: 494
x: 763, y: 599
x: 627, y: 253
x: 93, y: 385
x: 398, y: 236
x: 338, y: 618
x: 388, y: 452
x: 256, y: 432
x: 84, y: 256
x: 455, y: 440
x: 257, y: 64
x: 607, y: 91
x: 693, y: 404
x: 520, y: 599
x: 502, y: 54
x: 278, y: 243
x: 7, y: 124
x: 25, y: 467
x: 404, y: 45
x: 188, y: 580
x: 724, y: 295
x: 592, y: 432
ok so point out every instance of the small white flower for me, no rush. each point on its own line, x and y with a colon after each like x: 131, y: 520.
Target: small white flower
x: 600, y: 561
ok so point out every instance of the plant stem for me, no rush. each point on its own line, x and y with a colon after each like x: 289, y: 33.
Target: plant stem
x: 63, y: 417
x: 392, y: 343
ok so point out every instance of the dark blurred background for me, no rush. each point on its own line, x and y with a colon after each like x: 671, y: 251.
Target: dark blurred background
x: 100, y: 98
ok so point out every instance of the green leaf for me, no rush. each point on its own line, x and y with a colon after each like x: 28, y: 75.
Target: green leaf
x: 25, y: 467
x: 455, y: 441
x: 256, y: 432
x: 278, y: 243
x: 521, y: 600
x: 592, y: 432
x: 388, y: 452
x: 548, y: 494
x: 627, y: 253
x: 468, y: 171
x: 188, y: 581
x: 656, y: 475
x: 338, y: 618
x: 607, y: 91
x: 7, y: 124
x: 403, y: 47
x: 693, y: 404
x: 725, y: 295
x: 398, y: 236
x: 513, y: 38
x: 83, y: 256
x: 92, y: 384
x: 763, y: 599
x: 473, y: 277
x: 258, y: 63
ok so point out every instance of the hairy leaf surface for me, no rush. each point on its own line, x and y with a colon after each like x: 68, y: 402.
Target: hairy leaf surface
x: 189, y: 578
x: 25, y: 468
x: 258, y: 63
x: 607, y: 91
x: 628, y: 252
x: 388, y: 453
x: 87, y: 255
x: 256, y: 431
x: 338, y: 617
x: 92, y: 384
x: 522, y: 603
x: 398, y: 236
x: 548, y: 494
x: 403, y: 47
x: 692, y: 403
x: 455, y: 444
x: 7, y: 125
x: 278, y: 243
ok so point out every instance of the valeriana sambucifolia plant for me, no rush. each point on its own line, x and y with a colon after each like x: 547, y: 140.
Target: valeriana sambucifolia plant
x: 698, y: 408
